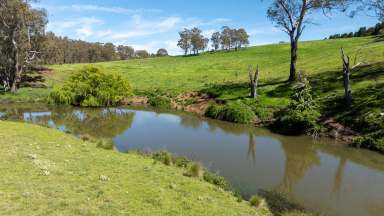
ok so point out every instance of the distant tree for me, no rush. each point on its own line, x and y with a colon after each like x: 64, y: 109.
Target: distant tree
x: 197, y: 40
x: 205, y: 43
x: 21, y: 35
x: 226, y: 37
x: 109, y: 52
x: 292, y: 16
x: 142, y: 54
x: 125, y: 52
x: 185, y: 40
x: 162, y: 52
x: 216, y: 41
x: 242, y: 37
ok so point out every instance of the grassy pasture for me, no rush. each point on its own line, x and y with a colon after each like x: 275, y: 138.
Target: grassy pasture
x: 47, y: 172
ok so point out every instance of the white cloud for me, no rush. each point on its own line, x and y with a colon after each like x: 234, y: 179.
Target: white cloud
x: 90, y: 7
x: 141, y: 27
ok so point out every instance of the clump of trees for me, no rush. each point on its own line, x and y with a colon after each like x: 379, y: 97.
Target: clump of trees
x: 378, y: 29
x: 162, y: 52
x: 192, y: 41
x: 92, y: 87
x: 62, y: 50
x: 21, y: 34
x: 230, y: 38
x: 142, y: 54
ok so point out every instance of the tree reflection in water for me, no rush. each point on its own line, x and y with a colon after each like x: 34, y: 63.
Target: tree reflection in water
x: 299, y: 159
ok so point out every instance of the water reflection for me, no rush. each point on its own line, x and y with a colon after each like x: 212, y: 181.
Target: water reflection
x: 321, y: 176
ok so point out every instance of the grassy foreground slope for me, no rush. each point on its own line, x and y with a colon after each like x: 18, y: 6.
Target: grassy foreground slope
x: 47, y: 172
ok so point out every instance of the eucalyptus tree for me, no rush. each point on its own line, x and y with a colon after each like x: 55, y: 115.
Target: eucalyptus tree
x: 185, y: 40
x: 21, y: 34
x: 162, y: 52
x: 292, y: 16
x: 215, y: 40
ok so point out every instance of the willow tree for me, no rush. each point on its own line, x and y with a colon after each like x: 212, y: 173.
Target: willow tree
x: 293, y: 15
x: 21, y: 34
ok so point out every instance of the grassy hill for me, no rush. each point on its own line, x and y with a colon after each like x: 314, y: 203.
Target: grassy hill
x: 47, y: 172
x: 182, y: 74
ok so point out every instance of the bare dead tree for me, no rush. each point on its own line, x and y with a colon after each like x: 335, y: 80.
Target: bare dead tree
x: 346, y: 74
x: 253, y: 78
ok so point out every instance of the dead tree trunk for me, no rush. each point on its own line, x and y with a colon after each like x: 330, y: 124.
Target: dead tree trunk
x: 292, y: 68
x: 253, y: 78
x: 346, y: 74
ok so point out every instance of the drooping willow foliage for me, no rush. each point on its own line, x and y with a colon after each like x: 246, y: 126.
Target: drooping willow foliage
x: 92, y: 87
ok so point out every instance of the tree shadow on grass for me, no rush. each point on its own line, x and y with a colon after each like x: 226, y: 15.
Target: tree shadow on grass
x: 367, y: 97
x: 279, y: 204
x: 33, y: 77
x: 379, y: 38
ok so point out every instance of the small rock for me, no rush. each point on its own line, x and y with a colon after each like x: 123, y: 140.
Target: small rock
x: 104, y: 178
x: 45, y: 172
x: 26, y: 194
x: 32, y: 156
x: 172, y: 186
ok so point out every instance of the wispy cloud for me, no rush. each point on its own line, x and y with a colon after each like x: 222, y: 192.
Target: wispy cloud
x: 141, y: 27
x: 122, y: 10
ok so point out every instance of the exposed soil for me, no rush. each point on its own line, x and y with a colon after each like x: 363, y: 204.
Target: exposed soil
x: 193, y: 102
x: 338, y: 131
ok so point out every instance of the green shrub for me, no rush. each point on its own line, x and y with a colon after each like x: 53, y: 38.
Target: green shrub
x: 196, y: 170
x: 163, y: 157
x: 91, y: 87
x: 255, y: 201
x: 218, y: 181
x: 85, y: 137
x: 297, y: 122
x: 105, y: 144
x: 180, y: 161
x: 373, y: 141
x: 213, y: 111
x: 301, y: 115
x: 237, y: 112
x: 262, y: 112
x: 160, y: 101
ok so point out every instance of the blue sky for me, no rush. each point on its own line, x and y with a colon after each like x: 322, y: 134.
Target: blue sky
x: 154, y: 24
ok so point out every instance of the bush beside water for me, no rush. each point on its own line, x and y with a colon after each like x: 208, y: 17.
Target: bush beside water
x: 92, y: 87
x: 301, y: 115
x: 159, y: 101
x: 236, y: 112
x: 374, y: 141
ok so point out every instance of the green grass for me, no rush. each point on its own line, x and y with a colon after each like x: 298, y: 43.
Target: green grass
x: 48, y: 172
x: 184, y: 74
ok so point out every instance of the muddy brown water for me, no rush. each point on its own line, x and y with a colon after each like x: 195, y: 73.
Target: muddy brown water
x: 321, y: 175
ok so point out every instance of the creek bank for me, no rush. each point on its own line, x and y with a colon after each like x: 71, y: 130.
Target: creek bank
x: 198, y: 103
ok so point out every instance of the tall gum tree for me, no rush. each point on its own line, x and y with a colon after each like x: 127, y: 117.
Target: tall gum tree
x: 293, y: 15
x: 21, y: 31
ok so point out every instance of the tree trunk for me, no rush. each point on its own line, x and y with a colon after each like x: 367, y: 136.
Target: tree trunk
x: 346, y: 73
x: 253, y: 81
x: 292, y: 70
x: 253, y: 90
x: 16, y: 74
